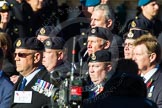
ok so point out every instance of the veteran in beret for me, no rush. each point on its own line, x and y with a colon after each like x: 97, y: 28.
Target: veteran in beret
x: 124, y: 89
x: 44, y: 33
x: 98, y: 39
x: 99, y: 69
x: 33, y: 88
x: 129, y: 39
x: 54, y: 53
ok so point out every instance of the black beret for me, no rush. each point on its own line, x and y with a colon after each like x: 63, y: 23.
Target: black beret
x: 29, y: 43
x: 4, y: 6
x: 45, y: 31
x: 54, y: 43
x: 100, y: 32
x: 100, y: 56
x: 135, y: 33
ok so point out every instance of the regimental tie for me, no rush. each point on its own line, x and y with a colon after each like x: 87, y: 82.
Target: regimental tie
x: 22, y: 85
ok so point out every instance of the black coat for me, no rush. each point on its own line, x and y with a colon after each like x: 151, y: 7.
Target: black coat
x: 38, y: 100
x: 120, y: 102
x: 122, y: 91
x: 157, y: 91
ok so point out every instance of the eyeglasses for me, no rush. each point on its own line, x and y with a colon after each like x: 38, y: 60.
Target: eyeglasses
x: 130, y: 45
x: 23, y: 55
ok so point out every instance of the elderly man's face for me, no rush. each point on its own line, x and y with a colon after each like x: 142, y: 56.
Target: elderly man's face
x: 50, y: 58
x: 98, y: 19
x: 128, y: 48
x: 97, y: 71
x: 94, y: 44
x: 25, y: 60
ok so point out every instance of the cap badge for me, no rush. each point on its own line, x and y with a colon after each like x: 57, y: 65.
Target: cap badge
x: 130, y: 34
x: 42, y: 31
x: 133, y: 24
x: 18, y: 44
x: 48, y: 43
x: 4, y: 7
x: 93, y: 30
x: 93, y: 57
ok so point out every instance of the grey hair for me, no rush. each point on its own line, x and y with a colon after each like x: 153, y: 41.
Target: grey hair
x: 103, y: 41
x: 109, y: 14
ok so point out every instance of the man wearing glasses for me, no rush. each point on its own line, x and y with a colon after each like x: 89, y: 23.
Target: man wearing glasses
x: 33, y: 88
x: 130, y: 37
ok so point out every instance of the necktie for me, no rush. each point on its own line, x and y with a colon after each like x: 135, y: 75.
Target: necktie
x: 22, y: 85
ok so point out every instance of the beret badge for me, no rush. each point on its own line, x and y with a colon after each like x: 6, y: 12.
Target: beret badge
x: 42, y: 31
x: 48, y: 43
x: 93, y: 30
x: 130, y: 34
x: 5, y: 7
x: 93, y: 57
x: 18, y: 43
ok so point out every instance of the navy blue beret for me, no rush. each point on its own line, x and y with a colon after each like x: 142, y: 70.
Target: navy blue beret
x: 144, y: 2
x: 100, y: 32
x: 135, y: 33
x: 88, y: 3
x: 45, y: 31
x: 100, y: 56
x: 31, y: 43
x: 54, y: 43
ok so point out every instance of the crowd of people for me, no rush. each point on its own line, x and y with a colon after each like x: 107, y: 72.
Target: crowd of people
x: 41, y: 47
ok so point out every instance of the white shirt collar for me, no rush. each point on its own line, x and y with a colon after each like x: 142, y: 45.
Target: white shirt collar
x: 30, y: 77
x: 149, y: 74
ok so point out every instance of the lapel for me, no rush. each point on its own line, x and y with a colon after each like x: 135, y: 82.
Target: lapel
x: 153, y: 78
x: 18, y: 83
x: 151, y: 83
x: 40, y: 75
